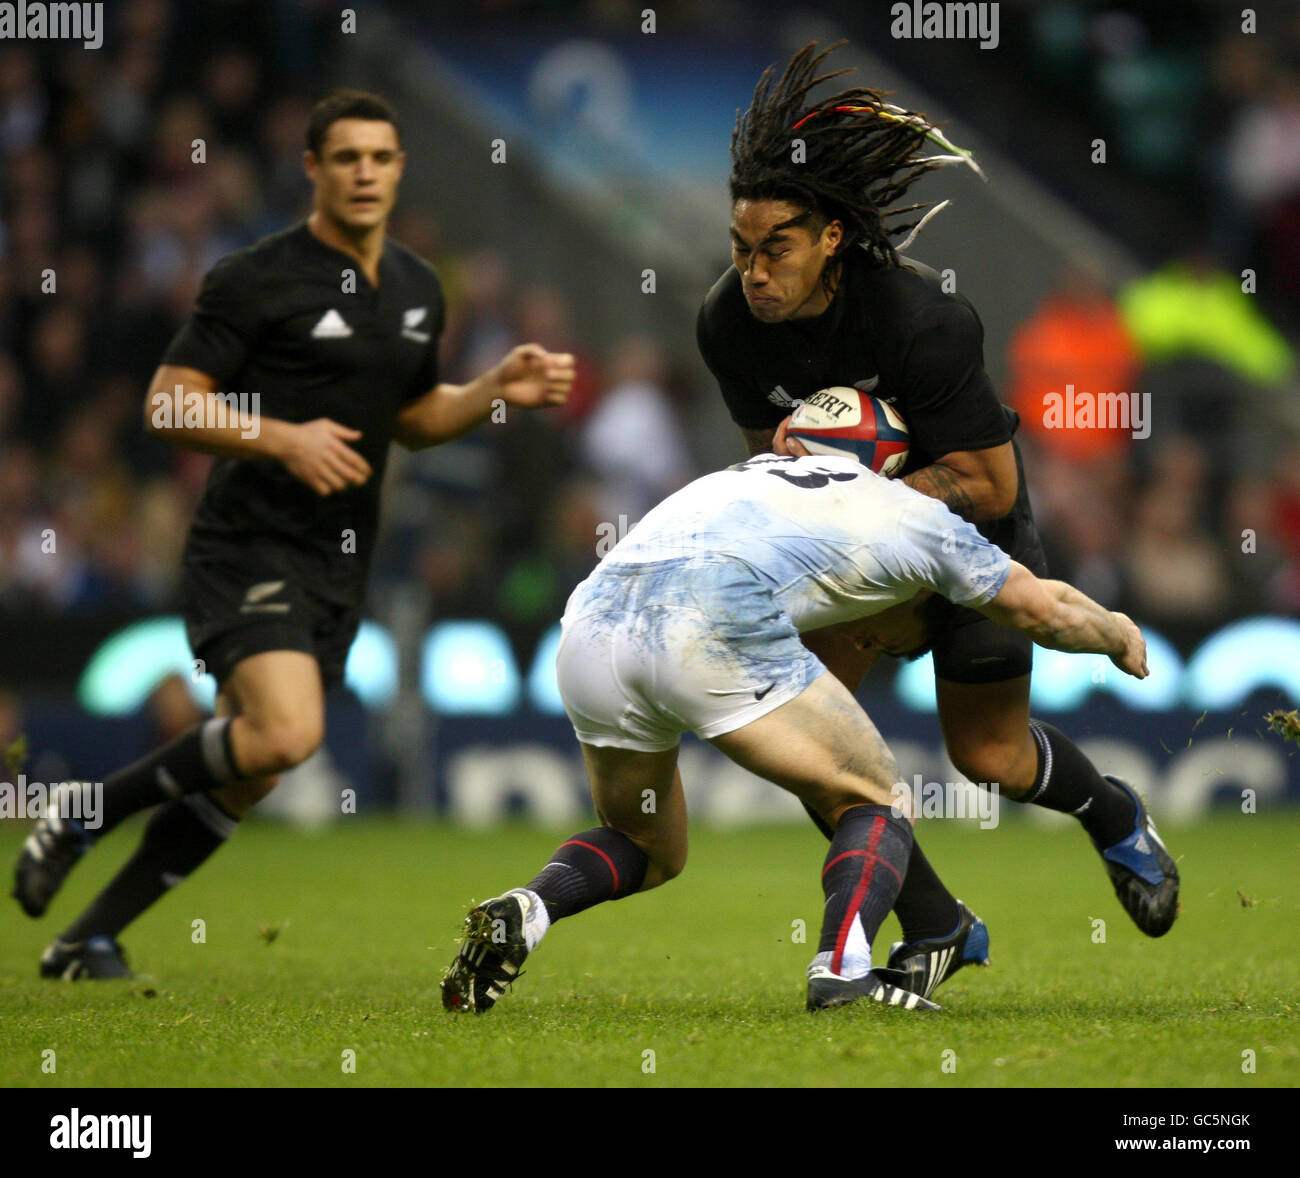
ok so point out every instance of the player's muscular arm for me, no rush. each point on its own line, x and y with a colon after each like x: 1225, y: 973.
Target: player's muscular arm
x: 529, y: 377
x: 315, y: 451
x: 758, y: 441
x: 1058, y: 616
x: 978, y: 485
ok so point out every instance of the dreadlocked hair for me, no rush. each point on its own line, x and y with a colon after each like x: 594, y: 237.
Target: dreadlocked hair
x: 860, y: 156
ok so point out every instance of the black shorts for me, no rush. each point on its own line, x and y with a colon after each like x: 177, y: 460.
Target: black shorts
x: 971, y: 649
x: 242, y: 601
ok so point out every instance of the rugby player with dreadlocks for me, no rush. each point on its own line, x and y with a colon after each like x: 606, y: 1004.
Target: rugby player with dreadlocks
x: 820, y: 296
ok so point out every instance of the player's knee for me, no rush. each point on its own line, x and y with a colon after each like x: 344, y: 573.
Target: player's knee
x: 671, y: 863
x: 1007, y: 765
x: 296, y: 742
x: 864, y: 790
x: 282, y: 744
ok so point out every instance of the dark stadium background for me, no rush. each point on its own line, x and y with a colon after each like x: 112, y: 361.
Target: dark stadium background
x: 1122, y: 275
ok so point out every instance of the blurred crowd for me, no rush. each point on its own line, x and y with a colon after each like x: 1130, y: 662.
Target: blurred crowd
x: 1186, y: 511
x: 125, y: 173
x: 1202, y: 519
x: 122, y: 181
x: 503, y: 522
x: 1204, y: 110
x: 108, y: 223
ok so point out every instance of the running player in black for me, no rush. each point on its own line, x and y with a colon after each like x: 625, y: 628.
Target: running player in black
x: 819, y: 296
x: 327, y: 336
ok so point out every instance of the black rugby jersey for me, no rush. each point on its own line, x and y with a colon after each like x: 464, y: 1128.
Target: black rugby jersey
x: 890, y: 331
x: 273, y: 320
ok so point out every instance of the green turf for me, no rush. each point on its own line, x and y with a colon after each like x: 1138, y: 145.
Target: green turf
x: 321, y: 944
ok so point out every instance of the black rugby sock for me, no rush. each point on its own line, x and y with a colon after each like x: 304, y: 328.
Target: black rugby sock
x: 589, y: 868
x: 1067, y: 781
x: 177, y: 839
x: 198, y: 760
x: 925, y: 908
x: 819, y: 822
x: 862, y: 875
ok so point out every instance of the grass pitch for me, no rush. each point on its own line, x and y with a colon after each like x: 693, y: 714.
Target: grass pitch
x: 316, y: 945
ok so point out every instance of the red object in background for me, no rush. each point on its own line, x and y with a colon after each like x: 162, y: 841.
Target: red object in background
x: 1079, y: 341
x: 1286, y: 513
x: 586, y: 389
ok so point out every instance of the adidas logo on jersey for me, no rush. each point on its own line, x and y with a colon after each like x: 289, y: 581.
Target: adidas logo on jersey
x: 331, y: 326
x: 778, y: 396
x: 410, y: 321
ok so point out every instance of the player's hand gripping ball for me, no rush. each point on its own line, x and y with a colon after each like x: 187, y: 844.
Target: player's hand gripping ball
x: 852, y: 424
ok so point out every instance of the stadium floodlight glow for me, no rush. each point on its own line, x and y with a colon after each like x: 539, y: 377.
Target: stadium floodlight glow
x: 543, y: 686
x: 1244, y: 657
x: 468, y: 668
x: 130, y: 663
x: 914, y: 685
x: 1062, y: 681
x: 371, y: 669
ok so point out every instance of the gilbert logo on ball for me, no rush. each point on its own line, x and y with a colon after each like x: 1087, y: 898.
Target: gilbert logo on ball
x: 852, y: 424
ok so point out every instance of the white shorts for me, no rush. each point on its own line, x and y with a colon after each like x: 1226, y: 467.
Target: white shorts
x: 695, y: 644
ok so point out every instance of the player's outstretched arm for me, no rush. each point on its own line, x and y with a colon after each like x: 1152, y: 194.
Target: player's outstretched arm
x: 530, y: 377
x: 184, y: 407
x: 1058, y: 616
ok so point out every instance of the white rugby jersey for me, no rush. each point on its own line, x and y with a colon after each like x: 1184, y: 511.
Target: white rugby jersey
x: 836, y: 541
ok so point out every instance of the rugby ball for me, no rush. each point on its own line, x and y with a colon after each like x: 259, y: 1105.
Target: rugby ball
x: 852, y: 424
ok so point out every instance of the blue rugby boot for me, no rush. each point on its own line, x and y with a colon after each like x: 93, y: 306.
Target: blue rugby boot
x: 923, y: 966
x: 1143, y: 872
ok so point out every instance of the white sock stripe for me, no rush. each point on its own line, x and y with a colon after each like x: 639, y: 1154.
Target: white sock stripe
x: 856, y: 959
x: 1045, y: 752
x: 537, y: 919
x: 212, y: 737
x: 166, y: 782
x: 211, y: 815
